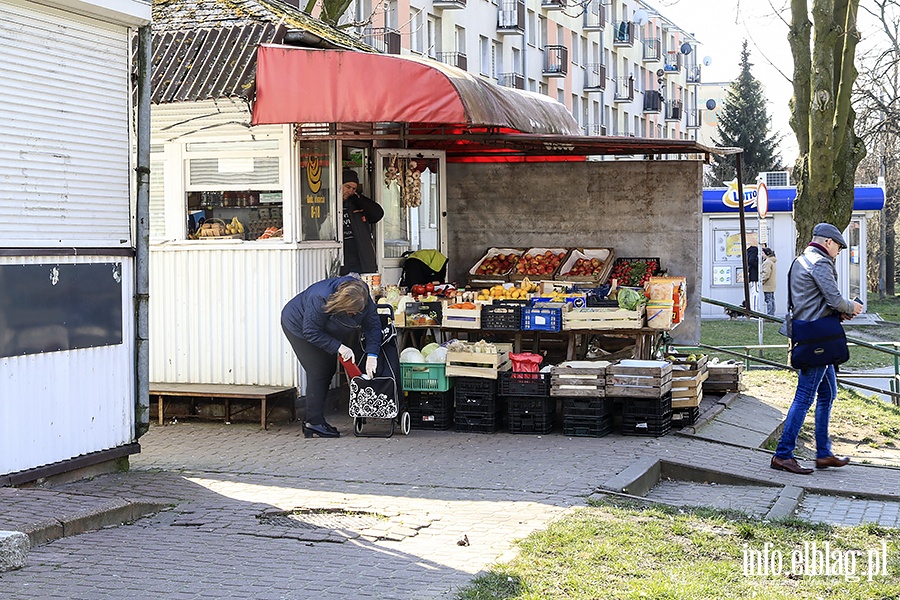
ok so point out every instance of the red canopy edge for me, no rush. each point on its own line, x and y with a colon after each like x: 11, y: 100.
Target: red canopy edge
x: 301, y: 85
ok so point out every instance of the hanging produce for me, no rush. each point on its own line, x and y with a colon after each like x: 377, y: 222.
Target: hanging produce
x: 405, y: 174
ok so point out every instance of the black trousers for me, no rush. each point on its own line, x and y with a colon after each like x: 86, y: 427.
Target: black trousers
x: 320, y: 367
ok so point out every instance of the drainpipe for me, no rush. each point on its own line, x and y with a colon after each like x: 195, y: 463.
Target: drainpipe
x: 142, y: 238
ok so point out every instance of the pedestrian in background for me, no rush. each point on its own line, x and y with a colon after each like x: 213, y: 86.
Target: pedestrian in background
x: 767, y: 279
x: 321, y: 323
x: 814, y: 290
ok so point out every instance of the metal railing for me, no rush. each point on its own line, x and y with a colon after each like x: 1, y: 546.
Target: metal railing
x: 744, y: 352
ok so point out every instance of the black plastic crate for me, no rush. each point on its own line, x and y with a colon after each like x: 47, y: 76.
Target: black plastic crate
x: 502, y: 315
x: 654, y: 426
x: 683, y: 417
x: 585, y: 426
x: 477, y: 404
x: 650, y: 407
x: 527, y: 414
x: 511, y: 383
x: 474, y: 385
x: 584, y: 406
x: 485, y: 423
x: 430, y: 410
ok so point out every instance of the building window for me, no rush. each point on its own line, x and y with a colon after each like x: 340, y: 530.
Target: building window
x: 485, y: 55
x: 532, y: 29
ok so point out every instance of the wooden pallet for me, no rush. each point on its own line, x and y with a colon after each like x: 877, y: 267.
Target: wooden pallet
x: 578, y: 382
x: 638, y: 382
x: 598, y: 318
x: 478, y: 364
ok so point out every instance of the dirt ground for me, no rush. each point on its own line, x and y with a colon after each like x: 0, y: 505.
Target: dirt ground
x: 852, y: 434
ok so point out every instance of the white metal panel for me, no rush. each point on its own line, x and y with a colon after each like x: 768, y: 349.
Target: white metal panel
x: 59, y: 405
x: 215, y: 311
x: 64, y: 160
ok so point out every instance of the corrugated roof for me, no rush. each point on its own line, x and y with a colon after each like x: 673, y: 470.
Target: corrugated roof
x: 206, y: 49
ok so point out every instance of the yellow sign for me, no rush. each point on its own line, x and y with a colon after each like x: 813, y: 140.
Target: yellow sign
x: 730, y: 197
x: 313, y: 173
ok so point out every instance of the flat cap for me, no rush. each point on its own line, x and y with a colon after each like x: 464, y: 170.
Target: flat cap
x: 827, y: 230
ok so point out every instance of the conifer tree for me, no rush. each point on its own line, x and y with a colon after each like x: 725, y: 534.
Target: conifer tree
x: 745, y: 123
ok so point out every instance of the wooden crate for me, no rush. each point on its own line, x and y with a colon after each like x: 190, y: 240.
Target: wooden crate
x: 605, y: 255
x: 579, y: 381
x: 601, y: 317
x: 630, y: 378
x: 462, y: 318
x: 687, y: 391
x: 479, y: 364
x: 724, y: 377
x: 688, y: 402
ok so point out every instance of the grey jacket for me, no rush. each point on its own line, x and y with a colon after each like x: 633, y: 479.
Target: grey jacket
x: 813, y: 286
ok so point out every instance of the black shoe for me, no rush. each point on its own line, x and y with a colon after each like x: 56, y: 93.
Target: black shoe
x: 319, y: 429
x: 330, y: 427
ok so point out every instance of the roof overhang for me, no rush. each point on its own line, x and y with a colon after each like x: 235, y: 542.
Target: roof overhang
x: 300, y: 85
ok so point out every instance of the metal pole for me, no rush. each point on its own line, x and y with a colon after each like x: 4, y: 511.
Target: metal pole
x: 142, y: 237
x: 737, y: 158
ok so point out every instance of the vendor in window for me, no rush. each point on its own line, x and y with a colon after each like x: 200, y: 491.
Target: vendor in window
x: 360, y: 215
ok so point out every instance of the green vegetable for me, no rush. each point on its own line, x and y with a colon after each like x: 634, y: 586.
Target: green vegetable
x: 629, y: 299
x: 429, y: 349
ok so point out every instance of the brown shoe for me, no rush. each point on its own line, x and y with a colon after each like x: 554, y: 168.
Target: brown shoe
x: 831, y: 461
x: 790, y: 465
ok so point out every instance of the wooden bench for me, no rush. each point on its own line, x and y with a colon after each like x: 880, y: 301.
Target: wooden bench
x: 262, y: 393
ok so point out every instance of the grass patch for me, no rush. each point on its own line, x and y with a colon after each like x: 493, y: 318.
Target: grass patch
x: 623, y: 550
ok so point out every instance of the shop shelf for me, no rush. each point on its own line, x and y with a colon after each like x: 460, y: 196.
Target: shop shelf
x: 541, y: 319
x: 587, y: 426
x: 523, y: 384
x: 424, y: 377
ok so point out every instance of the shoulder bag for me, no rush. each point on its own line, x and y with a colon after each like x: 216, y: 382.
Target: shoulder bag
x: 815, y: 343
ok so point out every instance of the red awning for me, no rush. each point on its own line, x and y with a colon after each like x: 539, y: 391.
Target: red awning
x: 300, y: 85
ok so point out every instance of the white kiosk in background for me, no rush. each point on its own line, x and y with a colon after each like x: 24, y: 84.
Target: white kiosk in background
x: 723, y: 273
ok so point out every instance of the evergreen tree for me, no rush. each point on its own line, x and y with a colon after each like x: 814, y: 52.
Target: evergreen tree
x: 745, y: 123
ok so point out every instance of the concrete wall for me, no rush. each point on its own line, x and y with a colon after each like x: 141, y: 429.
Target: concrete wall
x: 638, y: 208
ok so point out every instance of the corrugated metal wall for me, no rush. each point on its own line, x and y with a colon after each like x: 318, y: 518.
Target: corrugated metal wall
x: 59, y: 405
x: 64, y: 129
x: 215, y: 312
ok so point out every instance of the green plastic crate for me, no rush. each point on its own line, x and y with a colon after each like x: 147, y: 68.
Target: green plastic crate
x: 424, y: 377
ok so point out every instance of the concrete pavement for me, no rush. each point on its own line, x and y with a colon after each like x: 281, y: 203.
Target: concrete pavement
x: 270, y: 514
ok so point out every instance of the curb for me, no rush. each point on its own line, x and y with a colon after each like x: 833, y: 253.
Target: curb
x: 111, y: 512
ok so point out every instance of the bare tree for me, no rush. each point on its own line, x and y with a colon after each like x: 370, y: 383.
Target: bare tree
x: 822, y: 117
x: 877, y: 99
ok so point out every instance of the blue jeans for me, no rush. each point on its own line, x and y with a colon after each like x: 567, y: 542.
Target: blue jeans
x: 817, y: 383
x: 770, y: 303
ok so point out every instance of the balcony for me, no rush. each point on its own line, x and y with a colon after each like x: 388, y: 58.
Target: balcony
x: 693, y: 74
x: 693, y: 118
x: 511, y: 17
x: 652, y: 101
x: 553, y: 4
x: 383, y: 39
x: 457, y: 59
x: 594, y: 15
x: 652, y: 48
x: 595, y: 77
x: 449, y: 4
x: 673, y: 62
x: 624, y: 34
x: 512, y: 80
x: 624, y: 89
x: 674, y: 110
x: 556, y: 61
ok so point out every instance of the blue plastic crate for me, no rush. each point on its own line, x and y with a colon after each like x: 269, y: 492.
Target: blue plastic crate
x: 541, y: 319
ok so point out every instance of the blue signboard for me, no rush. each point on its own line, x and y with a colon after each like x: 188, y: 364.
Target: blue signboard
x: 781, y: 199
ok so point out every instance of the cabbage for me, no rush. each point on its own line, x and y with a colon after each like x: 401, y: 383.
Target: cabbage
x: 629, y: 299
x: 438, y: 355
x: 411, y: 355
x: 429, y: 348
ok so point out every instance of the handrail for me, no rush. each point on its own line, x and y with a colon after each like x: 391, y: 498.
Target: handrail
x: 894, y: 392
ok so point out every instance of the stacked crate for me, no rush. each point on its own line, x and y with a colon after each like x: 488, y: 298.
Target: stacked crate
x: 687, y: 387
x: 478, y: 409
x: 530, y: 409
x: 585, y: 408
x: 724, y: 377
x: 645, y: 389
x: 430, y: 410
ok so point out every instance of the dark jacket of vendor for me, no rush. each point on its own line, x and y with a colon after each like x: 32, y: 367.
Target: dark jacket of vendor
x: 360, y: 215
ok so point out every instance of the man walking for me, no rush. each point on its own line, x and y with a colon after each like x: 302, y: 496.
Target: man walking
x: 812, y: 283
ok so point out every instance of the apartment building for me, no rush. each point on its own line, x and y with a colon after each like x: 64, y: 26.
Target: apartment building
x: 621, y: 67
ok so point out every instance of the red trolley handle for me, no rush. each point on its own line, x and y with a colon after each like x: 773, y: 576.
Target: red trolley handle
x: 351, y: 368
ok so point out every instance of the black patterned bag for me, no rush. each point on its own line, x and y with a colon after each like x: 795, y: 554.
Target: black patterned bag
x: 373, y: 398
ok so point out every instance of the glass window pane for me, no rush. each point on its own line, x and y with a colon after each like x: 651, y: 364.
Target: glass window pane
x: 317, y: 203
x: 241, y: 171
